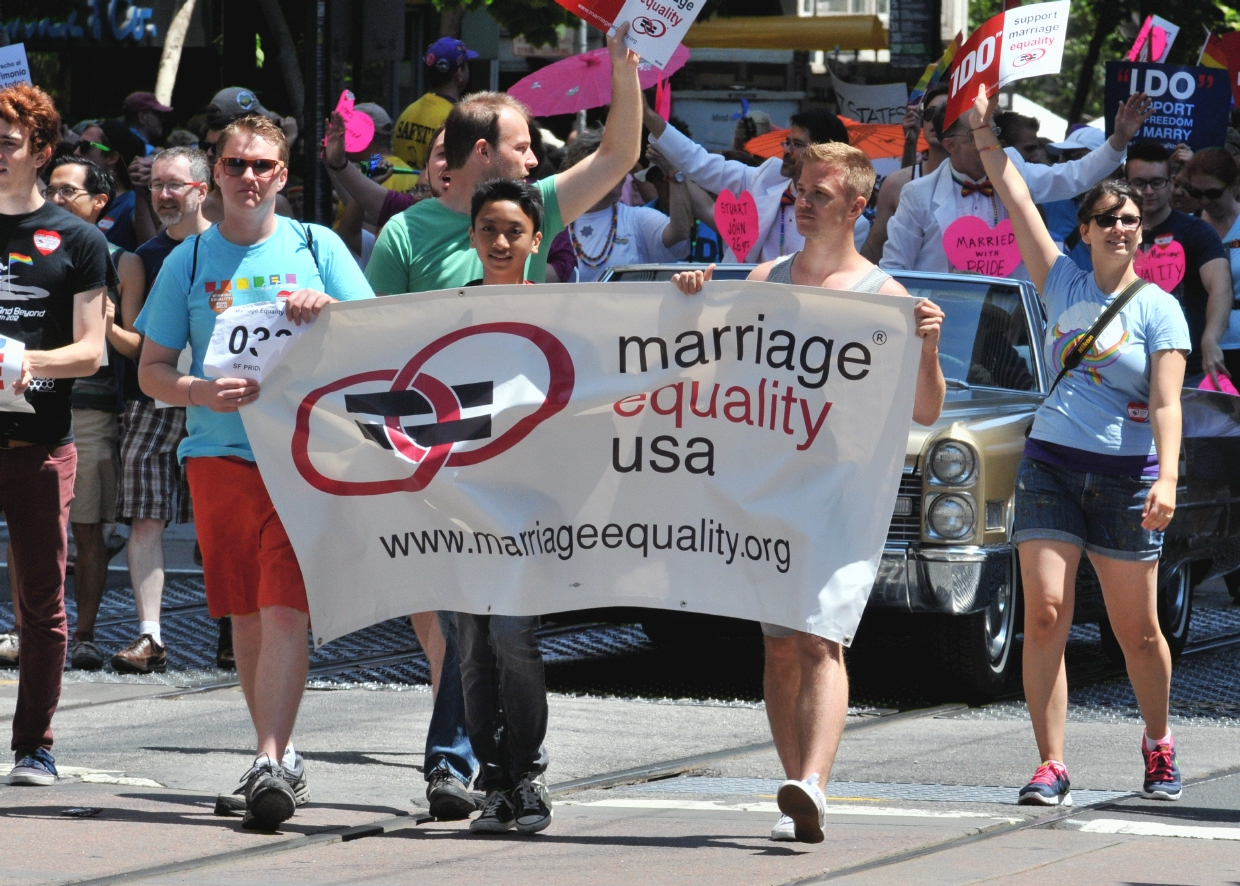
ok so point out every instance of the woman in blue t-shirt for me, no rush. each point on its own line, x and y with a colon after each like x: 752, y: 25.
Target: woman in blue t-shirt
x: 1100, y: 467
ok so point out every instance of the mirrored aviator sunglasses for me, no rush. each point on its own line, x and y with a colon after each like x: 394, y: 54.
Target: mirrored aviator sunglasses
x: 262, y: 168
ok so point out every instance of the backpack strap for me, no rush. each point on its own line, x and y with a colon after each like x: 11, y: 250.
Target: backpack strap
x: 305, y: 229
x: 1073, y: 358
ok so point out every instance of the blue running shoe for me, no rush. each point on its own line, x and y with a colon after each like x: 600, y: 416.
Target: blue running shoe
x: 1162, y: 773
x: 1048, y: 787
x: 36, y: 768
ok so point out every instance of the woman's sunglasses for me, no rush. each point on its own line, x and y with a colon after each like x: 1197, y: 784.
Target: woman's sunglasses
x: 262, y: 168
x: 1108, y: 220
x: 84, y: 144
x: 1207, y: 194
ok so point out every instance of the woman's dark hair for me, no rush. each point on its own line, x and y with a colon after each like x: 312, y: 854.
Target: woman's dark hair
x: 525, y: 195
x: 1112, y: 192
x: 98, y: 180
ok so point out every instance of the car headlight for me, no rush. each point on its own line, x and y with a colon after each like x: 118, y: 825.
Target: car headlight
x: 952, y: 517
x: 952, y: 463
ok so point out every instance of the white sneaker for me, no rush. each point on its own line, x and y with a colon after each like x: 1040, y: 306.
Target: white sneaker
x: 804, y: 803
x: 10, y: 643
x: 784, y: 830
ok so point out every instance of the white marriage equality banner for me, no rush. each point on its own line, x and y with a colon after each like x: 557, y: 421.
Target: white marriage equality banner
x: 523, y: 450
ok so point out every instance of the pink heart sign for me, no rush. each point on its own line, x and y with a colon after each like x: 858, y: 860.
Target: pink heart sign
x: 359, y: 128
x: 737, y: 218
x: 1162, y: 264
x: 974, y: 246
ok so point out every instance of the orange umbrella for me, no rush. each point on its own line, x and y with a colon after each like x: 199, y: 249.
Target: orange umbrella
x: 875, y: 139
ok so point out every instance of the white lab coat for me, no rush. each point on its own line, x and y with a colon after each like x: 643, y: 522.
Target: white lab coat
x: 714, y: 173
x: 930, y: 204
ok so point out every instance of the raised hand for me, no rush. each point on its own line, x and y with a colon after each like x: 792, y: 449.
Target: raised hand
x: 1132, y: 116
x: 621, y: 56
x: 983, y: 110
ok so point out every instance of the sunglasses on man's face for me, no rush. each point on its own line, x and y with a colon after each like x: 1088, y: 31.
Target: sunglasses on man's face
x: 262, y: 168
x: 1207, y: 194
x: 84, y: 144
x: 1108, y: 220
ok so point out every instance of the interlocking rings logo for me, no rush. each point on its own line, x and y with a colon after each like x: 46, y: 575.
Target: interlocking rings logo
x: 429, y: 446
x: 1028, y: 57
x: 651, y: 27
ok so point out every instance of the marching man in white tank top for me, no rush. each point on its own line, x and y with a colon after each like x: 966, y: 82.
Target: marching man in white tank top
x: 805, y: 685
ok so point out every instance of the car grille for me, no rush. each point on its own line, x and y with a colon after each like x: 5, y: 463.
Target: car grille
x: 906, y: 521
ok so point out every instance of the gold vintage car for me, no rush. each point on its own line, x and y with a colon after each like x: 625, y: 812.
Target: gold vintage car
x: 948, y: 555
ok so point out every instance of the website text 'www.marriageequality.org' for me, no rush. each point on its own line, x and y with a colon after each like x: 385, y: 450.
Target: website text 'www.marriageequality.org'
x: 708, y: 537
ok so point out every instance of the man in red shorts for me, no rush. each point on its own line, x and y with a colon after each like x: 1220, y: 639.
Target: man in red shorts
x: 250, y: 569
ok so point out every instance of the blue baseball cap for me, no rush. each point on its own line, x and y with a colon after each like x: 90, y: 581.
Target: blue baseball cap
x: 448, y: 54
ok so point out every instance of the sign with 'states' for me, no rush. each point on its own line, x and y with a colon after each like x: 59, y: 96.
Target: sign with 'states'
x: 1190, y: 105
x: 876, y: 103
x: 520, y: 450
x: 1023, y: 42
x: 657, y: 26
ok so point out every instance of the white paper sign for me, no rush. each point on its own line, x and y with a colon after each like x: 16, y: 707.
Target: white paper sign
x: 882, y: 103
x: 249, y: 339
x: 14, y: 68
x: 526, y: 449
x: 12, y: 353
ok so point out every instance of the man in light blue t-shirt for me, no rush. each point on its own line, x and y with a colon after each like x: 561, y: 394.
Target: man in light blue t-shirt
x: 249, y: 566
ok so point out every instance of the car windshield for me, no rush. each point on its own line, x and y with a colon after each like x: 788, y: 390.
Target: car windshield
x: 985, y: 339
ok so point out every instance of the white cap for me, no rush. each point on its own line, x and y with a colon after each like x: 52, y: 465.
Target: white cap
x: 1083, y: 138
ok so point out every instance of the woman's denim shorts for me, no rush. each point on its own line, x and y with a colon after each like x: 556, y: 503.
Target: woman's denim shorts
x: 1099, y: 512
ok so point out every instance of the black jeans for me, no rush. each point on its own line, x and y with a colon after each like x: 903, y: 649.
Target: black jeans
x: 505, y: 696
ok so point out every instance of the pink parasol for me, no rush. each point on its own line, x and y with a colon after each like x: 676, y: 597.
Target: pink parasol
x: 581, y: 82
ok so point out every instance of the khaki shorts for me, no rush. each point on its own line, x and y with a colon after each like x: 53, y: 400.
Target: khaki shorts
x: 95, y: 434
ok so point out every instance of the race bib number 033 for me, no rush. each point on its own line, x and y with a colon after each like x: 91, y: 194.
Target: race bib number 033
x: 249, y: 340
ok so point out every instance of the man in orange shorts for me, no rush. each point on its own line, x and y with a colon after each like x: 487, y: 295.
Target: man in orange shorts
x: 250, y: 569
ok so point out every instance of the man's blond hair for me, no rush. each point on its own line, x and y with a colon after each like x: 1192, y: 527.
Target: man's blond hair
x: 259, y: 127
x: 855, y: 168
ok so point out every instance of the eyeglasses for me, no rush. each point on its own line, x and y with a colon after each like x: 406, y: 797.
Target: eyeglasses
x: 1156, y: 184
x: 262, y: 168
x: 158, y: 187
x: 790, y: 144
x: 65, y: 192
x: 1208, y: 193
x: 1108, y: 220
x: 84, y: 144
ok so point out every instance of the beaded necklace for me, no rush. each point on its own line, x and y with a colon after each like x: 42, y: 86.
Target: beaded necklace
x: 594, y: 261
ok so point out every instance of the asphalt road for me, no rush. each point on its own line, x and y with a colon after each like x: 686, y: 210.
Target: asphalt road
x: 661, y: 768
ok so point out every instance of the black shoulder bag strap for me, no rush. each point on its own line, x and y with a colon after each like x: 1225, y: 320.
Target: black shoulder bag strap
x: 1086, y: 341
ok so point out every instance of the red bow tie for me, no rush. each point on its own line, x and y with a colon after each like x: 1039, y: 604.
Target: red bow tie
x: 985, y: 188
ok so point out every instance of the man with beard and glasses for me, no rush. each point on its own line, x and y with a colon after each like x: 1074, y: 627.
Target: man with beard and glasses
x: 153, y: 489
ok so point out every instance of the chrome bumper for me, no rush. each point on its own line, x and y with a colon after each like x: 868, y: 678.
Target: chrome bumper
x: 955, y: 580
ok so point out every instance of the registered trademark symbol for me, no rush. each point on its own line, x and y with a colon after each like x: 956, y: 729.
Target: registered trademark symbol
x: 880, y: 338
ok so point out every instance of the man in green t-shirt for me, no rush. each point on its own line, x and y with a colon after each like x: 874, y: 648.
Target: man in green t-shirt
x: 486, y: 136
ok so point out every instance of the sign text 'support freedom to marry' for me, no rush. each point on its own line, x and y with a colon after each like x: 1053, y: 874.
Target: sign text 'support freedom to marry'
x: 522, y: 452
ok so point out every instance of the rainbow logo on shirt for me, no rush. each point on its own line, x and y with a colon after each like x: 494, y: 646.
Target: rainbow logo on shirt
x: 256, y: 282
x: 20, y: 259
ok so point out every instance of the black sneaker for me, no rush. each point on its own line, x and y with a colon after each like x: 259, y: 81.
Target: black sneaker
x: 269, y: 800
x: 235, y: 804
x: 225, y: 659
x: 533, y: 804
x: 448, y: 798
x: 497, y: 814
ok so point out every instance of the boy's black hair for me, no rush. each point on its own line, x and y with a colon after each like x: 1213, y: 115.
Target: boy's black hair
x: 525, y: 195
x: 97, y: 180
x: 1149, y: 151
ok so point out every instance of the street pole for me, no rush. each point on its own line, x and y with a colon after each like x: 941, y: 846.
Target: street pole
x: 583, y: 36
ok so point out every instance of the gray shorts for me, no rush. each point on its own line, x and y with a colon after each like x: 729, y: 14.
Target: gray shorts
x: 779, y: 632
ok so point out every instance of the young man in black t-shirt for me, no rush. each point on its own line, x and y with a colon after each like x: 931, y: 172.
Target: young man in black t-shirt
x: 55, y: 276
x: 1182, y: 255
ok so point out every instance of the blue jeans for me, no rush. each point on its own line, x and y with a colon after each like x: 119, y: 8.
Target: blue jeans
x: 505, y: 696
x: 447, y: 741
x: 1101, y: 513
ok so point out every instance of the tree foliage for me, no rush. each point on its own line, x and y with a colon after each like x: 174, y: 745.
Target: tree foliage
x: 1103, y: 30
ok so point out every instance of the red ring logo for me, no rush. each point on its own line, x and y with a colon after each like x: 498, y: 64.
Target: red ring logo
x: 649, y: 26
x: 1026, y: 58
x: 446, y: 407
